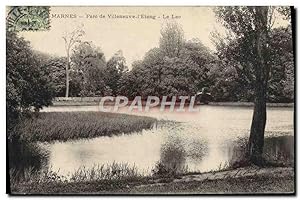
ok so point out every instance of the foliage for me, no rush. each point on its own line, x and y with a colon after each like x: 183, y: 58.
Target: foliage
x: 71, y: 39
x: 176, y: 67
x: 58, y: 74
x: 281, y: 83
x: 171, y: 40
x: 28, y: 85
x: 234, y: 74
x: 88, y: 69
x: 250, y: 50
x: 115, y: 68
x: 285, y: 11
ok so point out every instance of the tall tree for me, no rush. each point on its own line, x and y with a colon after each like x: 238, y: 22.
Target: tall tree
x: 131, y: 81
x: 202, y: 58
x: 115, y: 68
x: 27, y: 81
x: 57, y: 66
x: 152, y: 70
x: 70, y: 40
x: 174, y: 68
x: 88, y: 65
x: 250, y: 27
x: 281, y: 83
x: 171, y: 40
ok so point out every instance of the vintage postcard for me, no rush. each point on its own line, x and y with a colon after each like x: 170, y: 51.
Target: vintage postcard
x: 150, y: 100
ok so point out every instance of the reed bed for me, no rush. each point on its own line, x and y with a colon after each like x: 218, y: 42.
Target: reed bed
x: 63, y: 126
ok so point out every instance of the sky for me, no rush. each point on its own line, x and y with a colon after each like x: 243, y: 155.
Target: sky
x: 133, y: 36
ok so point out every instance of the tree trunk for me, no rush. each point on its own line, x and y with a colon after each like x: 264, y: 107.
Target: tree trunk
x: 256, y: 140
x: 67, y: 74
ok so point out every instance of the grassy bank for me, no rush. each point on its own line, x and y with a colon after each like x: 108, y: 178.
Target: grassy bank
x: 244, y: 180
x: 243, y: 104
x: 46, y: 127
x: 93, y: 101
x: 251, y: 104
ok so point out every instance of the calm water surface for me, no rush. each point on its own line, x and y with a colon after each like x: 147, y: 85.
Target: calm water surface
x: 202, y: 141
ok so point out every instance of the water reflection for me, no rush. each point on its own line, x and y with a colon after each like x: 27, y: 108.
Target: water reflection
x: 277, y: 149
x: 202, y: 142
x: 177, y: 154
x: 25, y: 158
x: 174, y: 154
x: 280, y: 149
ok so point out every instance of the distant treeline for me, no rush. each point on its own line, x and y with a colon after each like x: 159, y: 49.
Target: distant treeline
x: 177, y: 67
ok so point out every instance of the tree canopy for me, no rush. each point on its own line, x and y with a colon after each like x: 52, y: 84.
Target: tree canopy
x: 179, y: 66
x: 28, y: 85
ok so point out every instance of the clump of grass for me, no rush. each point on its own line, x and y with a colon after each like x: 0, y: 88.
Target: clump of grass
x: 33, y: 176
x: 162, y: 170
x: 63, y: 126
x: 114, y: 171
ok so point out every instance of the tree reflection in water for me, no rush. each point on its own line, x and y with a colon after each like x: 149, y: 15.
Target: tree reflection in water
x: 175, y: 152
x: 278, y: 150
x: 25, y: 158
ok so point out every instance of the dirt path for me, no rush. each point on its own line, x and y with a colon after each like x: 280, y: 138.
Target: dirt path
x: 242, y: 180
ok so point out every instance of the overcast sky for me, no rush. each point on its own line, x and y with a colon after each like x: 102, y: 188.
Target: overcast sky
x: 133, y: 36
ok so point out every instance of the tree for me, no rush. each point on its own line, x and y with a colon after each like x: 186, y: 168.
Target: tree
x: 250, y: 32
x: 70, y: 40
x: 152, y: 70
x: 131, y: 81
x: 57, y: 66
x: 281, y: 83
x: 202, y: 58
x: 27, y: 80
x: 171, y: 40
x: 115, y: 68
x: 176, y: 67
x: 232, y: 81
x: 88, y: 68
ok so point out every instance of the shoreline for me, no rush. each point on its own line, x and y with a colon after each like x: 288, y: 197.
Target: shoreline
x: 96, y: 103
x: 255, y: 180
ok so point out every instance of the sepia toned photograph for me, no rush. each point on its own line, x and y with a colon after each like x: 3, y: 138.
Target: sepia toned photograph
x: 150, y: 100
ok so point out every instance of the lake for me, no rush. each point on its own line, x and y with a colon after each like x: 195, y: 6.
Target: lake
x: 196, y: 142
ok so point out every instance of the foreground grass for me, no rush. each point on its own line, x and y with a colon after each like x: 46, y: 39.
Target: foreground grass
x: 47, y: 127
x: 264, y: 180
